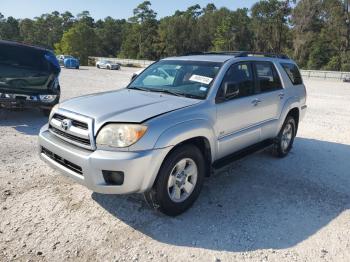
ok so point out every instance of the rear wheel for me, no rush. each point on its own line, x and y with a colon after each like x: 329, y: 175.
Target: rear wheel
x: 179, y: 181
x: 109, y: 67
x: 284, y: 141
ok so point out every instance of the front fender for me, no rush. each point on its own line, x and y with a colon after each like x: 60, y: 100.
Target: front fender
x: 186, y: 130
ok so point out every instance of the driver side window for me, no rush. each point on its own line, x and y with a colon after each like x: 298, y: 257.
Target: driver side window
x: 242, y: 77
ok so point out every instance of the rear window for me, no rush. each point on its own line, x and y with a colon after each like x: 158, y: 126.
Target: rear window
x: 23, y: 57
x: 293, y: 73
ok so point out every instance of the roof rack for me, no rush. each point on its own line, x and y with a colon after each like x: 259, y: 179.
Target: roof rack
x: 272, y: 55
x: 240, y: 54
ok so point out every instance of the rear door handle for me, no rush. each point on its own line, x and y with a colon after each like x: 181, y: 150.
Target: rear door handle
x: 256, y: 101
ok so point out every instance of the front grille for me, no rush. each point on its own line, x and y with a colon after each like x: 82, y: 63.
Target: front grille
x: 62, y: 161
x: 75, y: 129
x: 70, y: 137
x: 75, y: 123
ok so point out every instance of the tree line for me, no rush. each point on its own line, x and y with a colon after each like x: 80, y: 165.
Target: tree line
x: 313, y: 32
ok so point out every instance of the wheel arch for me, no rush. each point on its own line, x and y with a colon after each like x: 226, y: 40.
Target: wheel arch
x: 203, y: 144
x: 291, y: 108
x: 295, y: 113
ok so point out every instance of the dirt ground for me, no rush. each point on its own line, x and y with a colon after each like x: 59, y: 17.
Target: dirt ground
x: 257, y: 209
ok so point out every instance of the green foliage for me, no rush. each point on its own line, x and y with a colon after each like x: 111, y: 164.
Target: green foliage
x: 80, y: 41
x: 269, y: 25
x: 316, y: 33
x: 334, y: 64
x: 110, y: 34
x: 141, y: 35
x: 233, y: 33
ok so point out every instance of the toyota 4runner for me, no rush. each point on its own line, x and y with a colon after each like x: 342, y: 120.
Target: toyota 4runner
x: 177, y: 119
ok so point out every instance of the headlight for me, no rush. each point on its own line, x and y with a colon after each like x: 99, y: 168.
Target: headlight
x: 47, y: 98
x: 120, y: 135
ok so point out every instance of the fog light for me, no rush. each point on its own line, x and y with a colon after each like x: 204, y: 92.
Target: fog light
x: 115, y: 178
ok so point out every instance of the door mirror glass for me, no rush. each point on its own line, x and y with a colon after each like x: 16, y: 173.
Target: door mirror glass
x: 231, y: 89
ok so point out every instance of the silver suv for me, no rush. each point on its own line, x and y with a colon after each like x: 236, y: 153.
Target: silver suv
x: 175, y: 121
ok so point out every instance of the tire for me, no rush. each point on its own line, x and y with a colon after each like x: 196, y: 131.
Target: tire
x: 98, y: 66
x: 108, y: 67
x: 283, y: 143
x: 77, y: 67
x: 162, y: 197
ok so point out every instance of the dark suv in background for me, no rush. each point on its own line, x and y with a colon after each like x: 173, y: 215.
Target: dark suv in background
x: 28, y: 77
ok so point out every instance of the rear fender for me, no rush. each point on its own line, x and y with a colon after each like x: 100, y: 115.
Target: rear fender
x: 291, y: 103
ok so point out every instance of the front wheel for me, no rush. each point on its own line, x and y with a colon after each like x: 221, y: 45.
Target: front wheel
x: 179, y: 182
x: 284, y: 141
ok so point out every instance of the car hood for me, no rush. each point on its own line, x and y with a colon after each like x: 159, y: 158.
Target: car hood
x: 125, y: 106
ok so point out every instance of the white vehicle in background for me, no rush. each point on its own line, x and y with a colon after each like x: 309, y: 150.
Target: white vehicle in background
x: 106, y: 64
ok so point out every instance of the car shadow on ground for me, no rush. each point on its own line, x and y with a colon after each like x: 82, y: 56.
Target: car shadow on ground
x: 26, y: 121
x: 258, y: 202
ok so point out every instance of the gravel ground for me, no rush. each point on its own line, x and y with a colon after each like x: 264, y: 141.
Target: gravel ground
x: 256, y: 209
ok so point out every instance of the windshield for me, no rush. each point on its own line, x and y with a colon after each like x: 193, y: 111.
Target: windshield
x: 183, y: 78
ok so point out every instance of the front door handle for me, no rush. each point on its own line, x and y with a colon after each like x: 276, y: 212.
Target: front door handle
x: 281, y: 95
x: 256, y: 102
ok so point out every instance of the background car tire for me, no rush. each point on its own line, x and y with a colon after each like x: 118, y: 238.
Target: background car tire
x: 98, y: 66
x: 158, y: 197
x: 108, y: 67
x: 279, y: 150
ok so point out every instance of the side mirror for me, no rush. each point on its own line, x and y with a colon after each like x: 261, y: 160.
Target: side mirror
x: 134, y: 76
x: 231, y: 90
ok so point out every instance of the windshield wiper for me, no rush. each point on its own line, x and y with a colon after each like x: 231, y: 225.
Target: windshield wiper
x: 166, y: 91
x: 139, y: 88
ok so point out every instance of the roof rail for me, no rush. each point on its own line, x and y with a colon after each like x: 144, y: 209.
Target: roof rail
x: 272, y: 55
x: 240, y: 54
x: 233, y: 53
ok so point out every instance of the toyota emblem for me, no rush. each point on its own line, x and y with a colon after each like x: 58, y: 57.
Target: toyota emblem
x: 66, y: 124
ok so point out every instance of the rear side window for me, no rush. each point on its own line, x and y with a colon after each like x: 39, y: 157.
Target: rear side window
x: 267, y: 77
x: 293, y: 73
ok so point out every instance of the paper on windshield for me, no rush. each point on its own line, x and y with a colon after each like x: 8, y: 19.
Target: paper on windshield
x: 201, y: 79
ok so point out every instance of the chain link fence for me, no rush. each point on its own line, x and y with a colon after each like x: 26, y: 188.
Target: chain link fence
x: 123, y: 62
x: 327, y: 75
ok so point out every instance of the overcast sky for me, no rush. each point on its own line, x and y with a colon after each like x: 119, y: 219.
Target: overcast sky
x: 103, y: 8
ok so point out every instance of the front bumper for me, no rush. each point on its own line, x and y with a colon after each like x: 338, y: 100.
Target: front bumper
x: 20, y: 103
x: 140, y: 168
